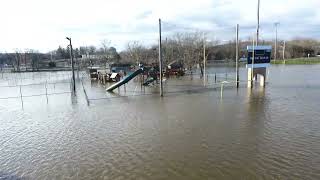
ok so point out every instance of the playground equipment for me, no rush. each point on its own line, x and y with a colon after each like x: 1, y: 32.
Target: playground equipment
x: 152, y: 76
x: 126, y: 79
x: 175, y: 68
x: 148, y: 81
x: 93, y: 73
x: 108, y: 77
x: 152, y: 72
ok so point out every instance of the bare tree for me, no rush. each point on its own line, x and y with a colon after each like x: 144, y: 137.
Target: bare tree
x: 105, y: 45
x: 137, y: 52
x: 34, y: 57
x: 186, y: 48
x: 17, y: 59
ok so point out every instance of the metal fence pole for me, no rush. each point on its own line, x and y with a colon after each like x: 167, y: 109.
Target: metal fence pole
x: 46, y: 91
x: 221, y: 90
x: 21, y: 96
x: 215, y: 77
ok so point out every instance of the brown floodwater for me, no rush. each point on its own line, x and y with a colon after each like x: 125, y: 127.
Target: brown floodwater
x: 190, y: 133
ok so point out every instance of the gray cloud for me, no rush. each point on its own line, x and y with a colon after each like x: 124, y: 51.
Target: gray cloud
x: 144, y: 14
x: 126, y: 20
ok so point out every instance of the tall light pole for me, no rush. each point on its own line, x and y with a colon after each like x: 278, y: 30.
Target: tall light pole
x: 237, y: 55
x: 258, y: 22
x: 276, y: 40
x: 252, y: 63
x: 72, y: 64
x: 160, y: 60
x: 204, y: 60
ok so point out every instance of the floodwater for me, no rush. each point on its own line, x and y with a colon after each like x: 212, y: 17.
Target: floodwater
x: 190, y: 133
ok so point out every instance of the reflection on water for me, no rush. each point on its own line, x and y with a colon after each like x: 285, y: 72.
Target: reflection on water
x: 258, y: 133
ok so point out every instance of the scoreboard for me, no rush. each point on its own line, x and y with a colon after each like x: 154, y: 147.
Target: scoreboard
x: 261, y: 54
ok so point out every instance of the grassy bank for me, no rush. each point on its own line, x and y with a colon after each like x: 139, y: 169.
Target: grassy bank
x: 315, y: 60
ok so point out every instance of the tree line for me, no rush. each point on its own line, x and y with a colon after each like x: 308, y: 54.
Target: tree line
x: 184, y: 48
x: 19, y: 58
x: 189, y: 50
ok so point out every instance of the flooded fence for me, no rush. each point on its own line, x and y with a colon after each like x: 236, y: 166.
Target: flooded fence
x: 37, y: 89
x: 174, y: 85
x: 21, y: 86
x: 35, y: 84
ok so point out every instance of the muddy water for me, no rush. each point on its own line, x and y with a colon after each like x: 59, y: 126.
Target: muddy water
x: 191, y: 133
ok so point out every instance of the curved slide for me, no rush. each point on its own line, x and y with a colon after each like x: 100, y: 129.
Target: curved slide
x: 125, y: 79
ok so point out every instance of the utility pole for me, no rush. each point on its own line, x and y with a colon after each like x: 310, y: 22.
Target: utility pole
x: 252, y: 63
x: 204, y: 60
x: 160, y: 59
x: 258, y: 25
x: 284, y: 48
x: 72, y: 64
x: 276, y: 41
x: 237, y: 55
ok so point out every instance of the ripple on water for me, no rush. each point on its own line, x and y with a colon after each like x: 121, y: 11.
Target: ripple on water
x: 270, y: 134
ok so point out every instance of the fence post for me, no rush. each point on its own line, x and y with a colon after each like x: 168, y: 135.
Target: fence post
x: 85, y: 93
x: 215, y: 77
x: 221, y: 90
x: 46, y: 91
x: 21, y: 96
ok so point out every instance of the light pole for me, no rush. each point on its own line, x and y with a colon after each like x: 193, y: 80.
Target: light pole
x: 237, y: 55
x: 72, y: 64
x: 160, y: 60
x: 276, y: 41
x: 258, y: 23
x: 204, y: 60
x: 252, y: 63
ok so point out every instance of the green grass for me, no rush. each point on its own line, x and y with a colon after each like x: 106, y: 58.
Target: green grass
x: 314, y: 60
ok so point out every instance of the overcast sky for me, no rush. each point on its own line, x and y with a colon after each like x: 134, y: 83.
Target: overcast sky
x: 43, y: 24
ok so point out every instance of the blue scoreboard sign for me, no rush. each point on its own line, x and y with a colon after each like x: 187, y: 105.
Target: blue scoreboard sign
x: 261, y: 54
